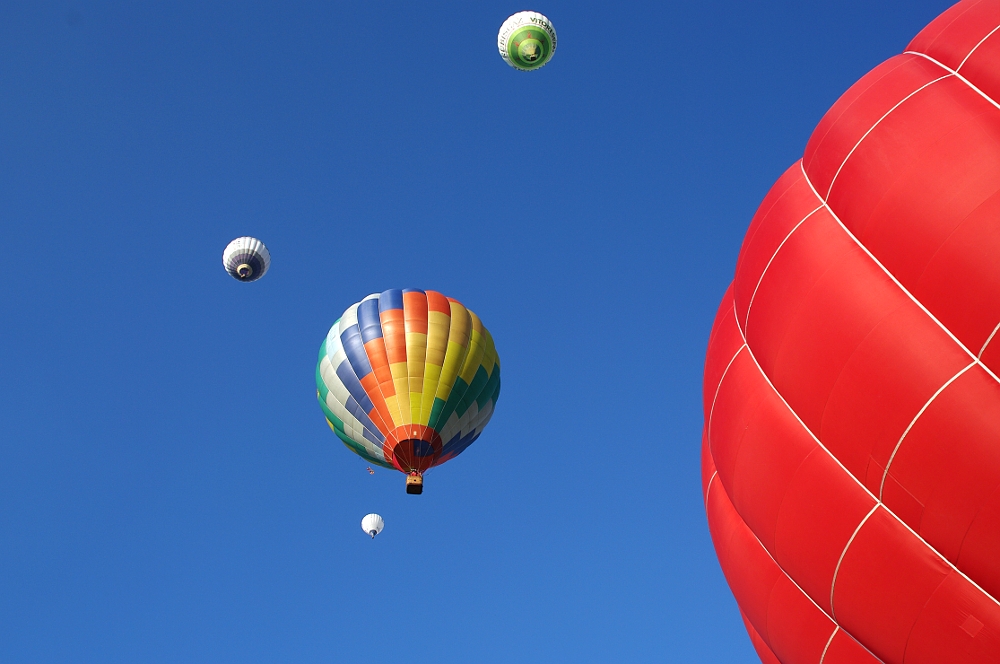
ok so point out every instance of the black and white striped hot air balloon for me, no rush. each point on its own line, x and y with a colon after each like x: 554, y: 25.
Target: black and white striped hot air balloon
x: 246, y: 259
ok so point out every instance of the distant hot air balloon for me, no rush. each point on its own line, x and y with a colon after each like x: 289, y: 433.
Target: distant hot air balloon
x: 851, y: 450
x: 408, y: 379
x: 527, y: 41
x: 246, y: 259
x: 372, y: 524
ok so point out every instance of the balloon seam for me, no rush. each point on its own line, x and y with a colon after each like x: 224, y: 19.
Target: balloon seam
x: 872, y: 128
x: 718, y: 387
x: 988, y: 340
x: 746, y: 322
x: 885, y: 473
x: 794, y: 583
x: 836, y: 570
x: 959, y: 76
x: 708, y: 490
x: 861, y: 484
x: 988, y: 35
x: 894, y: 279
x: 828, y: 642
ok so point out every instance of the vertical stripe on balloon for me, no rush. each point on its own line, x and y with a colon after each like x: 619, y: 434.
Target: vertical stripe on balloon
x: 415, y: 321
x: 394, y: 335
x: 438, y: 327
x: 374, y: 346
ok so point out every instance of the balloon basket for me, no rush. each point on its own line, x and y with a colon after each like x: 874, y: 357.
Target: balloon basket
x: 414, y: 484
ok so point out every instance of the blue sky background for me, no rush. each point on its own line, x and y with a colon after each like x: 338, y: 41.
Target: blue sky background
x: 169, y: 490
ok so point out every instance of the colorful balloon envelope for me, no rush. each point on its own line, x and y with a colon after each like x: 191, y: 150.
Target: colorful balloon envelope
x: 851, y: 451
x: 408, y: 379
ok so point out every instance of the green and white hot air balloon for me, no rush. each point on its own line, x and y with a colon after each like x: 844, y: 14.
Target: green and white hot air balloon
x: 527, y: 41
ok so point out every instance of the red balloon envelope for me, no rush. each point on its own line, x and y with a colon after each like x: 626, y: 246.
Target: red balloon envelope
x: 851, y: 451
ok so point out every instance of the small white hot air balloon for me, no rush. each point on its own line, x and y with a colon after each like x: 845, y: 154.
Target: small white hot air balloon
x: 246, y: 259
x: 372, y: 524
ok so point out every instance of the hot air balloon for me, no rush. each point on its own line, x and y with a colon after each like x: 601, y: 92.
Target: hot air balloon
x: 851, y: 449
x: 408, y: 379
x: 372, y: 524
x: 527, y: 41
x: 246, y: 259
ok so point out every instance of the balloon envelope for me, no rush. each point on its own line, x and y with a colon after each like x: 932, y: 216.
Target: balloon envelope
x: 851, y: 450
x: 527, y: 41
x: 372, y: 524
x: 246, y: 259
x: 408, y: 379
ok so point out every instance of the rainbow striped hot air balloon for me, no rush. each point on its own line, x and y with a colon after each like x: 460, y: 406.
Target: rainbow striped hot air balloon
x: 408, y: 379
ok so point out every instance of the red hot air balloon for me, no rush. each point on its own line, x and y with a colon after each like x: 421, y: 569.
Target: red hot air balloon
x: 851, y: 450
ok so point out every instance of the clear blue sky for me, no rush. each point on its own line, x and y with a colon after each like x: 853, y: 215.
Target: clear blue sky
x: 169, y: 490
